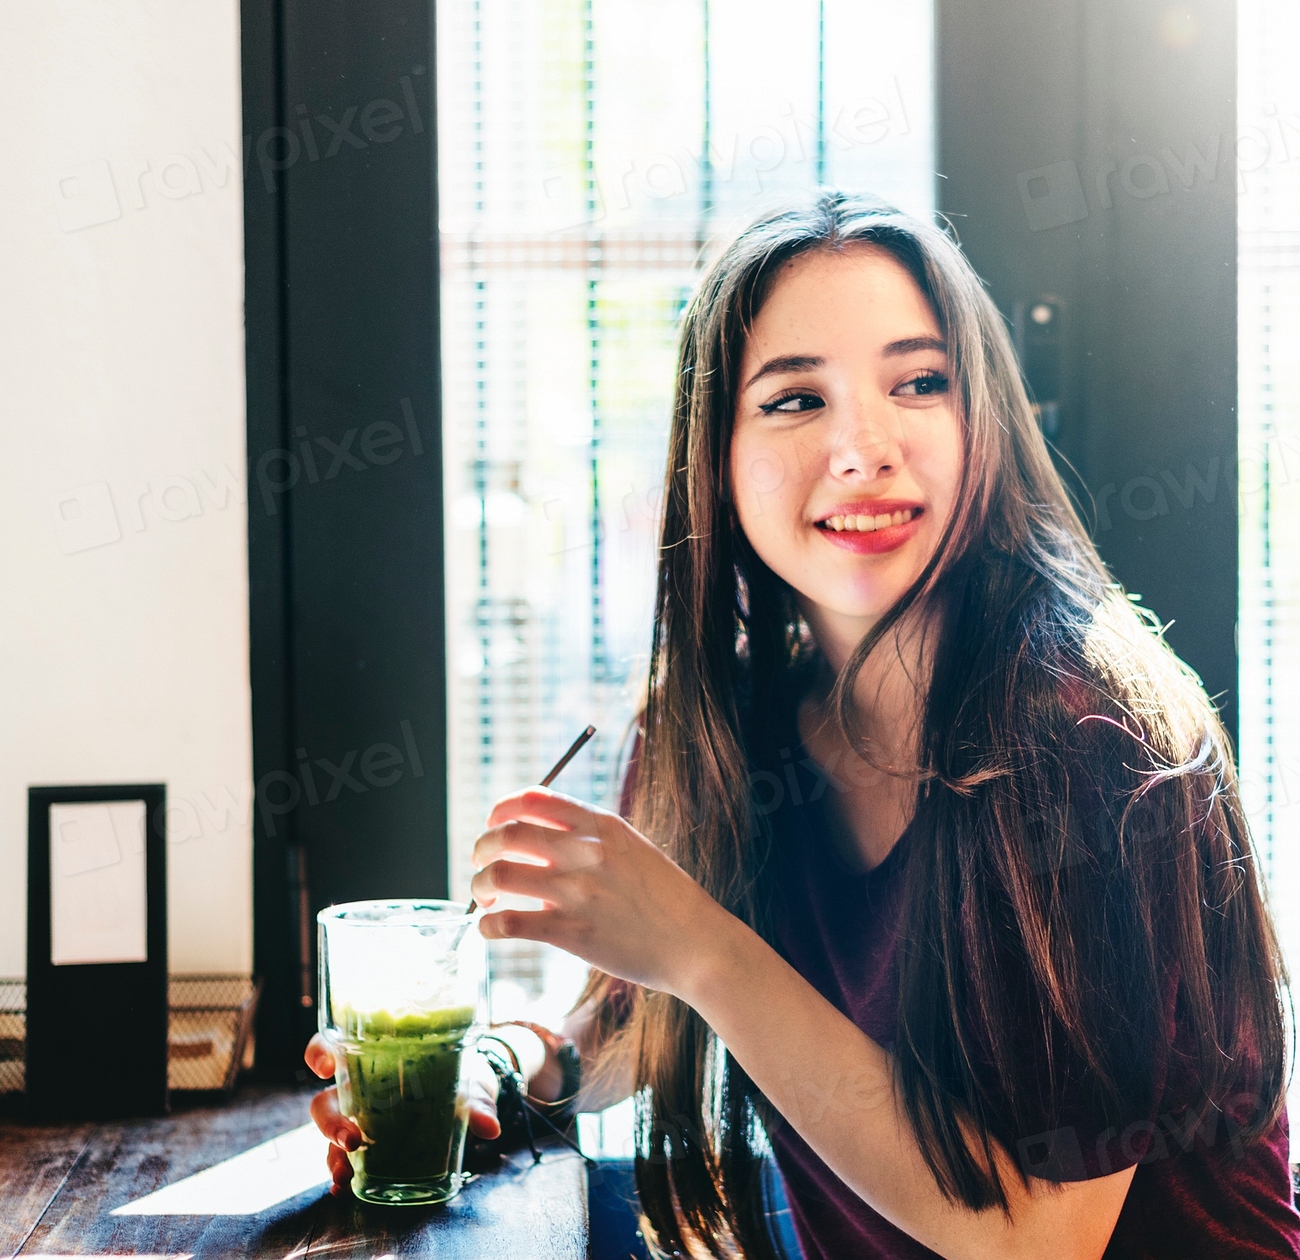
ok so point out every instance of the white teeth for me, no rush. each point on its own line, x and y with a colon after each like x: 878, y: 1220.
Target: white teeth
x: 866, y: 524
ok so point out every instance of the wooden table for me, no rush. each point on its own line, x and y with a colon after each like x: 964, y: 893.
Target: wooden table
x: 82, y: 1190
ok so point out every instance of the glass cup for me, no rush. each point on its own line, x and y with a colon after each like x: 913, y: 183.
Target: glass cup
x: 403, y: 998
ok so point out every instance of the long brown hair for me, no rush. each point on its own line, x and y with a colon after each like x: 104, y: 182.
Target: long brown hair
x: 1079, y: 819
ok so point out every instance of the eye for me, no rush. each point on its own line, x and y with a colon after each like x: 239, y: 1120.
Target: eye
x: 797, y: 400
x: 923, y: 385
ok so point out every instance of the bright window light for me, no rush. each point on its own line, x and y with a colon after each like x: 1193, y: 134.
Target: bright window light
x: 589, y: 151
x: 1268, y: 327
x: 246, y: 1184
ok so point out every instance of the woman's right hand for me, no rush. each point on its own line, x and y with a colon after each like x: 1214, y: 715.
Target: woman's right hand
x: 343, y: 1133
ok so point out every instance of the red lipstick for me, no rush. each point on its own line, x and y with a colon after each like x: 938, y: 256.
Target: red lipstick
x: 852, y: 525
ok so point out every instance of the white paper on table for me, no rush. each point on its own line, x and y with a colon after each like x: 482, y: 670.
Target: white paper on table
x: 98, y: 906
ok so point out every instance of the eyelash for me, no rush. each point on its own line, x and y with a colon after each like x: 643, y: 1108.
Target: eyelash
x: 928, y: 377
x: 774, y: 407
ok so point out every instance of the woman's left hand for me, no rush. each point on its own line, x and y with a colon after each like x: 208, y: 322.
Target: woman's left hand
x: 611, y: 896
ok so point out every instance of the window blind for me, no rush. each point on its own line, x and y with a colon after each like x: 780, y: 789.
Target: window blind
x: 1267, y: 479
x: 590, y: 151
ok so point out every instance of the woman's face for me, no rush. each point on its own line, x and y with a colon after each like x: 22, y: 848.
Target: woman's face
x: 846, y: 452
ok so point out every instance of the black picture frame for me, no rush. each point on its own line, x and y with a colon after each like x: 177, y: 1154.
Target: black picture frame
x: 96, y: 1045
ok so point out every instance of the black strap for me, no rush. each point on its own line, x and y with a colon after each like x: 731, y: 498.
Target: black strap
x: 512, y: 1101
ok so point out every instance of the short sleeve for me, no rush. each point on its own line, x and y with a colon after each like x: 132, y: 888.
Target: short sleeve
x: 1082, y: 1143
x: 1079, y: 1137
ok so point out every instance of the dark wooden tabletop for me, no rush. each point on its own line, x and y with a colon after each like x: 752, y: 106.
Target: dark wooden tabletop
x: 130, y: 1188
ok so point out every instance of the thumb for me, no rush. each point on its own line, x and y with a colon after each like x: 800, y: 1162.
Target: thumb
x: 483, y: 1120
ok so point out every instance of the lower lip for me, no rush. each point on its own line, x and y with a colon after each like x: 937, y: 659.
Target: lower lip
x: 872, y: 542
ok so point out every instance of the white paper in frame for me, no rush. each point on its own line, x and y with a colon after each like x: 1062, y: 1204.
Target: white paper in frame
x: 98, y: 906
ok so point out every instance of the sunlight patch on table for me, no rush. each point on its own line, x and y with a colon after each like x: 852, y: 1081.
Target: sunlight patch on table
x: 245, y: 1184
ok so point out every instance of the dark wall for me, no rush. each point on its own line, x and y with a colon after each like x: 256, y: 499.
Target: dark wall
x: 1070, y: 133
x: 345, y: 477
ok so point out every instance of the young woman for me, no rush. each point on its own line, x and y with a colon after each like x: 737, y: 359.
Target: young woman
x: 936, y: 868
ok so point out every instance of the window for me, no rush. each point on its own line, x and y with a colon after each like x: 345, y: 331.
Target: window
x: 589, y: 151
x: 1269, y: 443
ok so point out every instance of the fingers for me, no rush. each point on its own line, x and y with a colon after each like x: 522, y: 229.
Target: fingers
x: 338, y: 1128
x: 514, y: 877
x: 532, y: 842
x: 550, y: 809
x: 481, y: 1094
x: 529, y: 925
x: 345, y: 1136
x: 483, y: 1120
x: 318, y: 1057
x: 340, y: 1170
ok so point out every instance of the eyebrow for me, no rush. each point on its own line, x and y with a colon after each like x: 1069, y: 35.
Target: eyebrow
x: 909, y: 345
x: 803, y: 362
x: 786, y: 363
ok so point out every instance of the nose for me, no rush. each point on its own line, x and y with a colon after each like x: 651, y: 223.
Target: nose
x: 866, y: 442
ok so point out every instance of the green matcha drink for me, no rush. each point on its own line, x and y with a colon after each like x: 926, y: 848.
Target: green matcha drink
x: 399, y: 1078
x: 402, y: 988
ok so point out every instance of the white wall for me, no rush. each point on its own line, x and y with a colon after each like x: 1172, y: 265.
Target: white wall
x: 123, y: 563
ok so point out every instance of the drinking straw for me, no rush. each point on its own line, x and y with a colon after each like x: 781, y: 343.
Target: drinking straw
x: 574, y: 749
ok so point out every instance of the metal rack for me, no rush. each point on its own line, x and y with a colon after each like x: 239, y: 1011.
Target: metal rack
x: 209, y: 1034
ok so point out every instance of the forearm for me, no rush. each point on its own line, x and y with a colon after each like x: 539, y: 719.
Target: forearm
x: 835, y: 1085
x: 540, y: 1069
x: 529, y: 1049
x: 614, y: 1081
x: 624, y: 905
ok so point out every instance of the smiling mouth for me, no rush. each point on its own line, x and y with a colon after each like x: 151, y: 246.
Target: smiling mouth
x: 868, y: 524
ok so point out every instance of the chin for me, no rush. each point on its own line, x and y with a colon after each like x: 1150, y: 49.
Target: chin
x: 851, y: 595
x: 866, y: 612
x: 866, y: 606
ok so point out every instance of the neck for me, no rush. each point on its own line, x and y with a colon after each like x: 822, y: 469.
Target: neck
x: 889, y: 685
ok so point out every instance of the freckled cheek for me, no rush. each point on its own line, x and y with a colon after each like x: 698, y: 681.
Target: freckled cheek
x: 937, y: 469
x: 758, y: 470
x: 766, y: 479
x: 768, y: 508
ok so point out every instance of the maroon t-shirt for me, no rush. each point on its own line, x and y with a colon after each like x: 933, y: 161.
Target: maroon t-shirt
x: 839, y: 928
